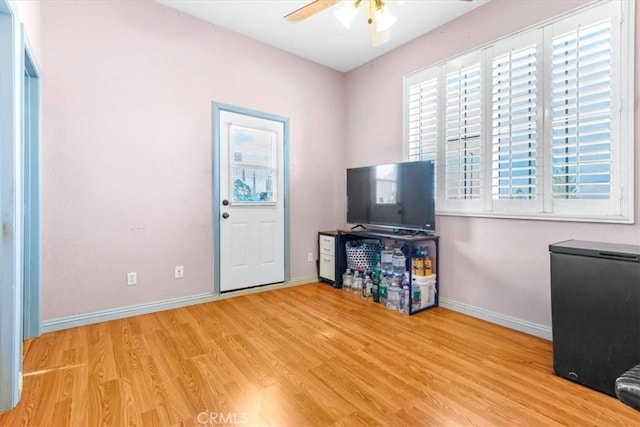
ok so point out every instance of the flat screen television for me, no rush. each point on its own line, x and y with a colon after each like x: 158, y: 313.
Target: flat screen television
x: 399, y: 196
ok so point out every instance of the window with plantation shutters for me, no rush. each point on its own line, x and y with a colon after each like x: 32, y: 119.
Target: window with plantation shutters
x: 463, y: 139
x: 514, y: 124
x: 536, y: 125
x: 581, y: 117
x: 422, y: 117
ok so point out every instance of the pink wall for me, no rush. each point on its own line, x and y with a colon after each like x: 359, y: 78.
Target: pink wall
x: 127, y: 154
x: 497, y: 265
x: 29, y: 11
x: 128, y: 148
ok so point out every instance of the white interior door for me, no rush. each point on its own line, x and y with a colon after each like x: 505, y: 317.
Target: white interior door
x: 251, y: 202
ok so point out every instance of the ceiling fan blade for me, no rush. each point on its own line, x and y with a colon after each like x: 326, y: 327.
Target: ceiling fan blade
x: 309, y: 10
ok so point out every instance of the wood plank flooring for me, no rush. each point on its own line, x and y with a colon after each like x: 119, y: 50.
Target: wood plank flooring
x: 304, y: 356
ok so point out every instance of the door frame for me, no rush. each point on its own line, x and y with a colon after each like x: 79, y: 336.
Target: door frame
x: 32, y: 163
x: 217, y: 109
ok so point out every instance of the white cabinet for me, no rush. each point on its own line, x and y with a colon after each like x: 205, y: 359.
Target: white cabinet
x: 332, y: 260
x: 327, y: 255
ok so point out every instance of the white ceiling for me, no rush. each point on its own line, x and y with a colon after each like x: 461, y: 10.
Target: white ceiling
x: 321, y: 38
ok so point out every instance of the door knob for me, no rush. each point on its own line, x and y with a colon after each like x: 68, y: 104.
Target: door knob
x: 225, y: 202
x: 225, y: 215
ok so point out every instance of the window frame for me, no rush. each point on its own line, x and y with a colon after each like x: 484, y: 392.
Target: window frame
x: 620, y: 207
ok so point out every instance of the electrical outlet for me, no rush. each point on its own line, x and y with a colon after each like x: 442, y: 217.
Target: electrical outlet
x: 132, y: 278
x: 179, y: 271
x: 310, y: 257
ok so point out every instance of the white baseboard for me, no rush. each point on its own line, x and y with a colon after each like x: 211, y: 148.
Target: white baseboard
x: 136, y: 310
x: 500, y: 319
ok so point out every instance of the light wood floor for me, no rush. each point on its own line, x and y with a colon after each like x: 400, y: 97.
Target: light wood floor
x: 308, y: 355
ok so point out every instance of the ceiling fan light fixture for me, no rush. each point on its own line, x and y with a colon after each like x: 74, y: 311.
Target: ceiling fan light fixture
x: 347, y: 12
x: 384, y: 18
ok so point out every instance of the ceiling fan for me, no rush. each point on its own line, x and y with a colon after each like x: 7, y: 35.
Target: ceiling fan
x: 379, y: 18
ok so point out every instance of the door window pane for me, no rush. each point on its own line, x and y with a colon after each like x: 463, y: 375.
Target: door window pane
x: 253, y: 165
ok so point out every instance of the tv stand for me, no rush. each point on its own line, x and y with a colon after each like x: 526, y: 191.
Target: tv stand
x: 355, y: 227
x: 332, y: 260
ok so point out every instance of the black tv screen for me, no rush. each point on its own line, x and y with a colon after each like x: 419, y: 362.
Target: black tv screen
x: 399, y: 195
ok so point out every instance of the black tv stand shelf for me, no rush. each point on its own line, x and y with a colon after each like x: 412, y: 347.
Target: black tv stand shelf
x: 407, y: 235
x: 333, y: 259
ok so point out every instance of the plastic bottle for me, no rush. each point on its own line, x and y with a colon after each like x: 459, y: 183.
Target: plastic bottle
x: 375, y: 279
x: 384, y: 287
x: 399, y: 262
x: 363, y: 289
x: 356, y: 286
x: 386, y: 255
x: 416, y: 304
x: 367, y: 289
x: 353, y: 280
x: 393, y: 296
x: 375, y: 275
x: 405, y: 301
x: 375, y: 291
x: 346, y: 280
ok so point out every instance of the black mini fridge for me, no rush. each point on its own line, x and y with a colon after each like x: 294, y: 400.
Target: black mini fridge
x: 595, y: 310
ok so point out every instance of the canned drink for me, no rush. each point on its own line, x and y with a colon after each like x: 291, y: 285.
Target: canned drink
x: 417, y: 264
x: 428, y: 267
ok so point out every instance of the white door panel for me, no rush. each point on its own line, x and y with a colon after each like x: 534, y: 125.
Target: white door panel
x: 251, y: 202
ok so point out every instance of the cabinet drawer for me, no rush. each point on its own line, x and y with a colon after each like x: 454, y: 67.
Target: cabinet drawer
x: 327, y: 245
x: 328, y: 267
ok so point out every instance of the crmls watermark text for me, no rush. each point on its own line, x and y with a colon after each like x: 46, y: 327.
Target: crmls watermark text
x: 217, y: 418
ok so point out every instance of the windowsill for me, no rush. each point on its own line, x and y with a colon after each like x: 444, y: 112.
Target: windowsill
x: 615, y: 219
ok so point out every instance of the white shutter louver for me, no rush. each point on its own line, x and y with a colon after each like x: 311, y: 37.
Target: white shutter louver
x: 423, y: 120
x: 514, y: 121
x: 581, y: 113
x: 463, y: 134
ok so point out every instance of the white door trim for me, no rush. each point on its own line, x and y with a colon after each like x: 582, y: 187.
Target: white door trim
x: 217, y: 109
